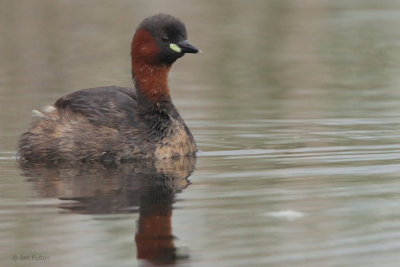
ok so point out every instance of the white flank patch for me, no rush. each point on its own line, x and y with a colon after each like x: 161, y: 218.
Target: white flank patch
x: 48, y: 109
x: 37, y: 113
x: 285, y: 214
x: 40, y: 113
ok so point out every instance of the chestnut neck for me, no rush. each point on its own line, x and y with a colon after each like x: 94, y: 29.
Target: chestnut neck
x: 152, y: 81
x: 150, y: 75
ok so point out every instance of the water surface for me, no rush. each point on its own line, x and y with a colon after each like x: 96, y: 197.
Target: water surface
x: 295, y: 109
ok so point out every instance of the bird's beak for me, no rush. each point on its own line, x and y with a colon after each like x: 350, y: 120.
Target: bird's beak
x: 187, y: 47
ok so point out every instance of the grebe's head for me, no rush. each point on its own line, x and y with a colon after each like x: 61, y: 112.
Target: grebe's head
x: 160, y: 39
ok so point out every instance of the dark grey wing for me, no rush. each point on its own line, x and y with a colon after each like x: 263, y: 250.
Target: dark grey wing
x: 103, y: 106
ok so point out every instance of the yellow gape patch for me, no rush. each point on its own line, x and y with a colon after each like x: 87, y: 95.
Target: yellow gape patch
x: 175, y: 48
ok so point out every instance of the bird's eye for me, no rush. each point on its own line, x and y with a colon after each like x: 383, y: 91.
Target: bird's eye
x: 165, y: 38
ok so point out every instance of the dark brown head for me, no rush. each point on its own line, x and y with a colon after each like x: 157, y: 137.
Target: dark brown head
x: 158, y: 42
x: 161, y: 39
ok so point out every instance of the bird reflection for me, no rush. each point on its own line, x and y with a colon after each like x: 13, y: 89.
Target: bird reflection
x: 147, y: 187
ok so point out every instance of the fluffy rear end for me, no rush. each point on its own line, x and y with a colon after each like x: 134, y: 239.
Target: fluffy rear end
x: 66, y: 136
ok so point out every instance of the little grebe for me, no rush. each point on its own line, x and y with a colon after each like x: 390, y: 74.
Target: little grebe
x: 115, y: 123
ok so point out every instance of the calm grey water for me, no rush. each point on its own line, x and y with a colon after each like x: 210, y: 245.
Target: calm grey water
x: 295, y: 108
